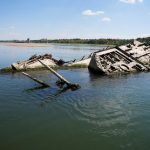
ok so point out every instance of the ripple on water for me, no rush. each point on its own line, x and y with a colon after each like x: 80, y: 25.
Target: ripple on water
x: 106, y: 116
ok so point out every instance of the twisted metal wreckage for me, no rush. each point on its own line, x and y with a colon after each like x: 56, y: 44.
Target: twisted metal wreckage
x: 123, y: 59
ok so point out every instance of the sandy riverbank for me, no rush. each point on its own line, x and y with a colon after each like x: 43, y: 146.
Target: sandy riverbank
x: 24, y: 45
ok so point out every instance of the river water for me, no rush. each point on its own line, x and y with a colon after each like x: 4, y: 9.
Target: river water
x: 106, y: 113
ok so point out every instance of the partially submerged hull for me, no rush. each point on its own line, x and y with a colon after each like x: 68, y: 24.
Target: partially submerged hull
x: 123, y: 59
x: 84, y: 61
x: 33, y: 63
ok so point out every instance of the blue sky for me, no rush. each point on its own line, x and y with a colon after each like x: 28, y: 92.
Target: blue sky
x: 54, y: 19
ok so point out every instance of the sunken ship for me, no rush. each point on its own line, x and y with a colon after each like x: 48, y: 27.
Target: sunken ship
x: 133, y: 57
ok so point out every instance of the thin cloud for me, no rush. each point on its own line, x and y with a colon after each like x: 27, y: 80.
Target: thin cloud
x: 92, y: 13
x: 132, y: 1
x: 106, y: 19
x: 96, y: 13
x: 12, y: 27
x: 13, y: 33
x: 7, y: 28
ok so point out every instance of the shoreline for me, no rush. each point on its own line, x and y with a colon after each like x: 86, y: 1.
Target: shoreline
x: 30, y: 45
x: 24, y: 45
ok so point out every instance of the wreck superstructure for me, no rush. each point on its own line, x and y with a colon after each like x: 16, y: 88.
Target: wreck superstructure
x: 123, y: 59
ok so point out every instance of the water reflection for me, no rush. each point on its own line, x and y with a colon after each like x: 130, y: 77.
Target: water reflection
x: 36, y: 88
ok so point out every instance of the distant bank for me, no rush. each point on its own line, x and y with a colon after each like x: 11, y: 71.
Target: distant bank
x: 24, y: 45
x: 83, y: 41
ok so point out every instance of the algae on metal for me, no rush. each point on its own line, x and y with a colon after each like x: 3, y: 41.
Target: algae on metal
x: 64, y: 67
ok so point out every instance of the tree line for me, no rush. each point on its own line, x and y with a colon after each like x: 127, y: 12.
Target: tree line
x: 116, y: 42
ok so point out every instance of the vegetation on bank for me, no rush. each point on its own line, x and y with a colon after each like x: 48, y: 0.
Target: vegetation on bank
x: 65, y: 67
x: 144, y: 40
x: 116, y: 42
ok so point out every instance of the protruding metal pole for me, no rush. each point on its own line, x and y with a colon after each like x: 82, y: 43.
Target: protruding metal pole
x: 36, y: 80
x: 69, y: 84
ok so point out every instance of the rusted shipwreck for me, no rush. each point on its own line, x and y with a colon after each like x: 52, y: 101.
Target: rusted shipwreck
x: 46, y: 61
x: 123, y: 59
x: 133, y: 57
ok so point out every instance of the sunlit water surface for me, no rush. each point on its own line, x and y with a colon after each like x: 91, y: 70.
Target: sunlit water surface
x: 108, y: 113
